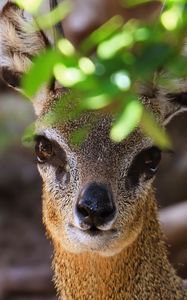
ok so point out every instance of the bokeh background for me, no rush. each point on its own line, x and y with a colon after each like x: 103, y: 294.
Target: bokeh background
x: 25, y: 252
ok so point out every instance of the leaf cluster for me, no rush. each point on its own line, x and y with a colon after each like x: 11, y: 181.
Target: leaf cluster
x: 124, y: 54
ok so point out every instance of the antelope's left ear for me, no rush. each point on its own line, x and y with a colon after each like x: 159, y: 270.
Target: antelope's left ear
x: 19, y: 44
x: 174, y: 104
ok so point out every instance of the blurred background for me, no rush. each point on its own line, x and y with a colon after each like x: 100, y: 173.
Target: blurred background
x: 25, y: 252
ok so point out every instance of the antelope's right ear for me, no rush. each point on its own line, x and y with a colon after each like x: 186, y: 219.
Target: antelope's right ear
x: 19, y: 43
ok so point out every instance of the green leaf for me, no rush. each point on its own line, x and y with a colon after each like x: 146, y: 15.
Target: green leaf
x: 158, y: 134
x: 31, y: 6
x: 96, y: 102
x: 66, y: 47
x: 102, y: 33
x: 67, y: 108
x: 171, y: 18
x: 40, y: 72
x: 128, y: 119
x: 177, y: 68
x: 121, y: 80
x: 53, y: 17
x: 142, y: 34
x: 68, y: 77
x: 153, y: 56
x: 108, y: 49
x: 28, y: 136
x: 131, y: 3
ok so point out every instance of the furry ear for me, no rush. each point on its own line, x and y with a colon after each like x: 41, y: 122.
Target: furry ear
x: 173, y: 102
x: 19, y: 43
x: 176, y: 104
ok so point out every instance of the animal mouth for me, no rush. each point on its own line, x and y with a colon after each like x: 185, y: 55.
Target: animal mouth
x: 92, y: 239
x: 93, y: 231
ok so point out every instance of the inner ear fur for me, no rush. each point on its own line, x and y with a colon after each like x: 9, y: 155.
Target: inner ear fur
x: 13, y: 79
x: 173, y: 104
x: 19, y: 43
x: 176, y: 104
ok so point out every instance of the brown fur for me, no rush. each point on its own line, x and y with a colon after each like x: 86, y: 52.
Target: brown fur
x: 139, y: 272
x: 129, y: 261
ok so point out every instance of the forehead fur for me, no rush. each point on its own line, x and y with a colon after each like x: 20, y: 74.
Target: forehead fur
x: 97, y: 122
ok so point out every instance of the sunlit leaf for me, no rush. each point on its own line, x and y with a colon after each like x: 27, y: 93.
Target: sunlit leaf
x: 142, y: 34
x: 86, y: 65
x: 67, y: 108
x: 171, y: 18
x: 123, y: 55
x: 97, y: 102
x: 109, y: 48
x: 102, y: 33
x: 41, y: 72
x: 151, y: 128
x: 130, y: 3
x: 122, y: 80
x: 68, y: 77
x: 31, y: 6
x: 55, y: 16
x: 128, y: 119
x: 66, y: 47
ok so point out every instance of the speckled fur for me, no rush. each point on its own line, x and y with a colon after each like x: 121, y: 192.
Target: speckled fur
x: 139, y: 272
x: 131, y: 263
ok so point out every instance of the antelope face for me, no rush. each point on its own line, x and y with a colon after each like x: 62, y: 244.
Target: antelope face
x: 94, y: 195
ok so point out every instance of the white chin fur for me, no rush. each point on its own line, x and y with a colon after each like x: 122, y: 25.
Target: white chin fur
x: 85, y: 242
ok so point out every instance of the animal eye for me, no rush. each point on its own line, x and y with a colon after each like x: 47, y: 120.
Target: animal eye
x: 44, y: 149
x: 146, y: 164
x: 152, y: 158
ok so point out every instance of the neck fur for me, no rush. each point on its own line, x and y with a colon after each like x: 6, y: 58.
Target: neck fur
x: 141, y: 271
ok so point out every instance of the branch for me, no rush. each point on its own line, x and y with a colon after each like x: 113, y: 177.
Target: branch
x: 58, y: 28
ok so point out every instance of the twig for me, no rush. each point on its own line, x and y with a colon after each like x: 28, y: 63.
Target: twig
x: 58, y: 28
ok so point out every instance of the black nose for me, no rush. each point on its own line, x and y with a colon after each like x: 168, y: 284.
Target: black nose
x: 95, y: 206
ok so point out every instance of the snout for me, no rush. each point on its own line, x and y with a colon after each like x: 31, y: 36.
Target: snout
x: 95, y: 208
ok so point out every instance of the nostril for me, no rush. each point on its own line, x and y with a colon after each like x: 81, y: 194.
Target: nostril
x: 83, y: 211
x: 84, y: 216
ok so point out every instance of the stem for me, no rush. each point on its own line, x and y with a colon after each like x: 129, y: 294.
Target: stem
x: 58, y: 28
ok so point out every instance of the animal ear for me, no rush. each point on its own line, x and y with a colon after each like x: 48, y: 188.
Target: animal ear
x: 174, y: 104
x: 19, y: 43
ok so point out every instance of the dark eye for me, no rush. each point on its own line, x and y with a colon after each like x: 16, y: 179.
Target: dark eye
x: 44, y: 149
x: 145, y: 163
